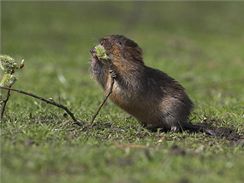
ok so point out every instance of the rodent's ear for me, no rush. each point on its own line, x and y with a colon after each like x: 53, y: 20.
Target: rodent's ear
x: 138, y: 54
x: 133, y: 54
x: 139, y: 50
x: 131, y: 43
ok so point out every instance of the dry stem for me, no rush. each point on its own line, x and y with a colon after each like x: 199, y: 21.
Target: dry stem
x: 105, y: 99
x: 4, y: 104
x: 48, y: 101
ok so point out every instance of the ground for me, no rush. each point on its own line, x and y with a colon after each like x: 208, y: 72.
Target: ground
x: 199, y: 44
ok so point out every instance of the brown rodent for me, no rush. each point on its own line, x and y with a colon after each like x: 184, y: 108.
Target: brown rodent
x: 150, y: 95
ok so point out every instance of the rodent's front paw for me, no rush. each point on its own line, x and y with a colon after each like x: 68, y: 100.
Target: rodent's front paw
x: 112, y: 73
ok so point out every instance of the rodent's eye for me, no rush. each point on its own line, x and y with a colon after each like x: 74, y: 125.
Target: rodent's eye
x: 120, y: 43
x: 102, y: 41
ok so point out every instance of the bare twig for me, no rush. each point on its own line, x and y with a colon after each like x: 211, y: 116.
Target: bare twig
x: 48, y: 101
x: 4, y: 104
x: 105, y: 99
x: 5, y: 101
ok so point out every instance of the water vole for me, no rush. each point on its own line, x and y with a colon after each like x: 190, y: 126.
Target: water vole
x: 150, y: 95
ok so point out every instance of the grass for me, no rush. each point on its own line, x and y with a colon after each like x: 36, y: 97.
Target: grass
x: 199, y: 44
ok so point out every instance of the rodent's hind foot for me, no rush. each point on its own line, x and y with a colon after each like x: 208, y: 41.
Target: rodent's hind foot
x: 174, y: 129
x: 155, y: 128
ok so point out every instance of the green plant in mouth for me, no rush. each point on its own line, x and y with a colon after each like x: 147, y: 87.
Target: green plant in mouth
x: 101, y: 52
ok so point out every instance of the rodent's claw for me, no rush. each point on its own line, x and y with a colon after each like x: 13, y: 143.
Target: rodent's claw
x: 113, y: 74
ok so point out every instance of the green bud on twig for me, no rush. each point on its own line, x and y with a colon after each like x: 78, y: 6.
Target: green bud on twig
x: 8, y: 66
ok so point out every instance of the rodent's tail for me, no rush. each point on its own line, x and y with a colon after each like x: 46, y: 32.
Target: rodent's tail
x: 221, y: 132
x: 195, y: 128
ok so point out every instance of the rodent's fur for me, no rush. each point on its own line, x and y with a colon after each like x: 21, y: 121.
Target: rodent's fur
x: 150, y: 95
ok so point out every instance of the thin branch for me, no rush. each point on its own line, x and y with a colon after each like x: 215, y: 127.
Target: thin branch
x: 48, y: 101
x: 5, y: 101
x: 105, y: 99
x: 4, y: 104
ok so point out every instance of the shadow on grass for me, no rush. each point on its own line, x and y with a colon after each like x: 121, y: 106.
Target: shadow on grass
x: 229, y: 133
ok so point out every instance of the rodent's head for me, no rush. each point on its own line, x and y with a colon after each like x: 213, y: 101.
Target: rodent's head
x: 118, y: 52
x: 119, y: 49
